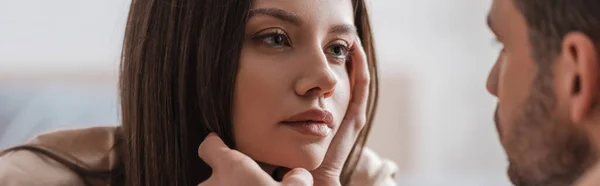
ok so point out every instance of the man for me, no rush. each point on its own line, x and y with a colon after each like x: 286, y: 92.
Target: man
x: 547, y: 80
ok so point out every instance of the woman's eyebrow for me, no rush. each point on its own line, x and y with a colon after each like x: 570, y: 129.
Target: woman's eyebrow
x: 296, y: 20
x: 276, y: 13
x: 343, y: 29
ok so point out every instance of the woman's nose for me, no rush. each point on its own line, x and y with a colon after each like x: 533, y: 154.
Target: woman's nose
x: 318, y: 79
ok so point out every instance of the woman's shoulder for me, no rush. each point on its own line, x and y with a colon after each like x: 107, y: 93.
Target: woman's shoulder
x: 30, y: 163
x: 374, y: 170
x: 78, y: 142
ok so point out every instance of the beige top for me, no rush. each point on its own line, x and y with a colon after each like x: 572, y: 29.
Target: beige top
x: 92, y: 147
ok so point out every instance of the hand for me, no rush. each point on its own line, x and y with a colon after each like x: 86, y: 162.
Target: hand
x: 356, y: 116
x: 232, y: 168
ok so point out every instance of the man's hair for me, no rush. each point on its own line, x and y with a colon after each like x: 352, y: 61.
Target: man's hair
x: 550, y: 20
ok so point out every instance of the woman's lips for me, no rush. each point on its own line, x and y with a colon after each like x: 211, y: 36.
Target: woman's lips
x: 313, y: 122
x: 312, y: 128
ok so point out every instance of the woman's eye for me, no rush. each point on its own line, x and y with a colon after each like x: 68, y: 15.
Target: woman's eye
x: 338, y: 51
x: 276, y: 40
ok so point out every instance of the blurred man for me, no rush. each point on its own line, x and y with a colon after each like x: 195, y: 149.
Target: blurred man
x: 547, y: 80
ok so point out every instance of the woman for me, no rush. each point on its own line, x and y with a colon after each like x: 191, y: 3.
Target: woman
x: 272, y: 78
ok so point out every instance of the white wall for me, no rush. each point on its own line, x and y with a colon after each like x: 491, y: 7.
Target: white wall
x: 435, y: 117
x: 53, y: 37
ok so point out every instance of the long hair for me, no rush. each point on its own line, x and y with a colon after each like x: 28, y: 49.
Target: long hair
x: 178, y: 70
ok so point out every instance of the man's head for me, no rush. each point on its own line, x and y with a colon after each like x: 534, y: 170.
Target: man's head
x: 548, y: 85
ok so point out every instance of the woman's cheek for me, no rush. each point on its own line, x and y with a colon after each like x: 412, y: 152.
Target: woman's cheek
x: 342, y: 93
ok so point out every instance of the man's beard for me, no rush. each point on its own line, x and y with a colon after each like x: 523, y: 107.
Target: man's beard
x: 544, y: 150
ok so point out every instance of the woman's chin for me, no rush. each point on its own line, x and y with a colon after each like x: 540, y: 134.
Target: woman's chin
x: 307, y: 164
x: 308, y: 160
x: 285, y: 151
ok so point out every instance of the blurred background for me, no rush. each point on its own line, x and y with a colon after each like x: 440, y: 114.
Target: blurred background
x: 59, y: 61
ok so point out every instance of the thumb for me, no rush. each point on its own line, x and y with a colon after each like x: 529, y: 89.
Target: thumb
x: 297, y: 177
x: 212, y: 150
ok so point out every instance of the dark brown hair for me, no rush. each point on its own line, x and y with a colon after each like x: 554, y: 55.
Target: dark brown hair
x: 549, y: 21
x: 178, y: 70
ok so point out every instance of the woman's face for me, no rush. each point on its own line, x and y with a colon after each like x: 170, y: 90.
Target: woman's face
x: 293, y: 85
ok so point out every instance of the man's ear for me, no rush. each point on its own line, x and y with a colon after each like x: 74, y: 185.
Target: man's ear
x: 581, y: 56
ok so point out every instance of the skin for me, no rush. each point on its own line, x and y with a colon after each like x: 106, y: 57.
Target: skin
x: 547, y: 116
x: 294, y: 59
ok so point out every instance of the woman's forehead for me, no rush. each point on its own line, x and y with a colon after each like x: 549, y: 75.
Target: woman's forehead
x: 312, y: 11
